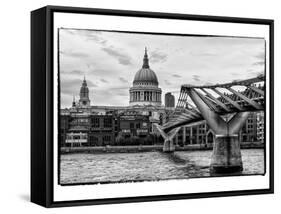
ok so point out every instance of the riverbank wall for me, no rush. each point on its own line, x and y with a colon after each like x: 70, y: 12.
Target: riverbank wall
x: 147, y: 148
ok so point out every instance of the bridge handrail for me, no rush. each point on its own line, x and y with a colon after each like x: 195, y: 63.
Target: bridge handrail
x: 225, y: 85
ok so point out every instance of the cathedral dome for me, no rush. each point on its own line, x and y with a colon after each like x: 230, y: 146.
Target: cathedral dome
x: 145, y: 75
x: 145, y: 90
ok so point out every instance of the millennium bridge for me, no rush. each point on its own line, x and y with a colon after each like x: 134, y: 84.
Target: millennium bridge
x: 225, y: 107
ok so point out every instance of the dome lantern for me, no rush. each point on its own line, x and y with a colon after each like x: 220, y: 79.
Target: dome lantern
x: 145, y: 59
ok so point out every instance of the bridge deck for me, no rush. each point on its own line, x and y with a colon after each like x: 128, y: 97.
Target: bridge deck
x: 228, y: 102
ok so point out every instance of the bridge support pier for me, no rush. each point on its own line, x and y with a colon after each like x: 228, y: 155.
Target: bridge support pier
x: 168, y: 138
x: 168, y: 146
x: 226, y: 157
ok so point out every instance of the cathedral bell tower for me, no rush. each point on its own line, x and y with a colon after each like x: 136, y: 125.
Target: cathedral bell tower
x: 84, y: 100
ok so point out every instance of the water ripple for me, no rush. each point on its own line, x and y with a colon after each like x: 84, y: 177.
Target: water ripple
x: 147, y: 166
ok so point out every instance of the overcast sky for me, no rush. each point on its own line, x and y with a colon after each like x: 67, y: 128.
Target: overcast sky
x: 109, y: 60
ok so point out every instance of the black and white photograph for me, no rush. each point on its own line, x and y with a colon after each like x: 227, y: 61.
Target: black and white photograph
x: 139, y: 106
x: 151, y: 107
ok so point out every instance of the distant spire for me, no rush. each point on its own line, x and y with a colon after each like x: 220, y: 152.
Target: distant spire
x: 84, y: 82
x: 145, y: 59
x: 73, y: 102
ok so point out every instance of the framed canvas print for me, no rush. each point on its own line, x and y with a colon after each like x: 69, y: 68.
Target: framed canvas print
x: 131, y: 106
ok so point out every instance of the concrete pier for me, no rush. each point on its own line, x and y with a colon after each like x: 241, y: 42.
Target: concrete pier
x: 226, y: 151
x: 226, y: 155
x: 168, y: 146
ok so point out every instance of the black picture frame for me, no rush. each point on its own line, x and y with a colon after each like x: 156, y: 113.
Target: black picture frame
x: 42, y: 105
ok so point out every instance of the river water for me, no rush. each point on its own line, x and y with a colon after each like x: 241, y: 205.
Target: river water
x: 146, y: 166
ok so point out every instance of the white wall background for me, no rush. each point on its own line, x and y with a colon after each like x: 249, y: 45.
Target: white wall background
x: 15, y: 107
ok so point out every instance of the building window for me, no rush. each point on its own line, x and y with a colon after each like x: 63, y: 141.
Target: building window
x: 138, y: 125
x: 96, y: 122
x: 107, y: 122
x: 93, y: 141
x: 76, y: 137
x: 82, y: 120
x: 132, y: 126
x: 106, y: 139
x: 62, y: 139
